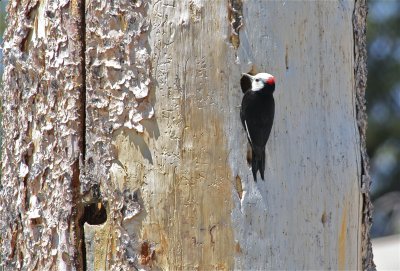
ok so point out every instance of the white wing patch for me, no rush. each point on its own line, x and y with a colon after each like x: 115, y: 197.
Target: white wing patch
x: 247, y: 131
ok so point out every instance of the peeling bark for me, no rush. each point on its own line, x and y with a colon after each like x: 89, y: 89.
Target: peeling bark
x: 235, y: 13
x: 118, y: 85
x: 42, y: 124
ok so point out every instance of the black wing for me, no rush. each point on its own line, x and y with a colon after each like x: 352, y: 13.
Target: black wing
x: 243, y: 119
x: 244, y: 123
x: 257, y: 115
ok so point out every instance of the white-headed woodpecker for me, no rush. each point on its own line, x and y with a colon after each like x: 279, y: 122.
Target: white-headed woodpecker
x: 257, y: 115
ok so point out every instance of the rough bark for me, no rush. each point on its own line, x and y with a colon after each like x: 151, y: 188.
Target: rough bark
x: 42, y: 124
x: 360, y: 73
x: 118, y: 83
x: 163, y: 178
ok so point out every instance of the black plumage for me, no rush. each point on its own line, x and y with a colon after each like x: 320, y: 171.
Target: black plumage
x: 257, y: 115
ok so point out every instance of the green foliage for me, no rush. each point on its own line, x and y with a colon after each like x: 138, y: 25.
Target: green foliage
x: 2, y: 17
x: 383, y: 103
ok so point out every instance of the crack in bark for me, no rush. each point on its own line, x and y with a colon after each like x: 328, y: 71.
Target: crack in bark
x: 82, y: 213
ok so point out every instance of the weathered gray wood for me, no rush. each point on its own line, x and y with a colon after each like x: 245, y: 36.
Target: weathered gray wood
x: 313, y: 157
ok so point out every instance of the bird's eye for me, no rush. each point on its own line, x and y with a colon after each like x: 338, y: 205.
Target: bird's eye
x: 257, y: 80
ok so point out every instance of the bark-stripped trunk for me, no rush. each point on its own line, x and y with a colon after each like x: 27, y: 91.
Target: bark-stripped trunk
x: 153, y: 173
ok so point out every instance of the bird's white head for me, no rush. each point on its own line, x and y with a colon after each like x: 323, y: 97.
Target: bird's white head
x: 261, y: 81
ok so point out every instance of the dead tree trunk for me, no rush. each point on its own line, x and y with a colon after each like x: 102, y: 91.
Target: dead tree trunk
x: 123, y: 147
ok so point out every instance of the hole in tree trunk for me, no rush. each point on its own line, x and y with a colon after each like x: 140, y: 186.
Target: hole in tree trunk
x: 95, y: 213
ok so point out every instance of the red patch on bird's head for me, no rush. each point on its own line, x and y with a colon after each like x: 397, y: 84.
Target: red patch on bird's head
x: 270, y: 81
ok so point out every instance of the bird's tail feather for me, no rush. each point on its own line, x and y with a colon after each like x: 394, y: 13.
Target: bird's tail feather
x: 261, y: 164
x: 254, y: 167
x: 258, y: 163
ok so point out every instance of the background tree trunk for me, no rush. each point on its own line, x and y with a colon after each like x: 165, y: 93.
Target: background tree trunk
x: 163, y: 181
x: 43, y: 136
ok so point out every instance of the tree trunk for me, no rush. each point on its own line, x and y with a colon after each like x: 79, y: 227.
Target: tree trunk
x: 153, y: 173
x: 43, y: 136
